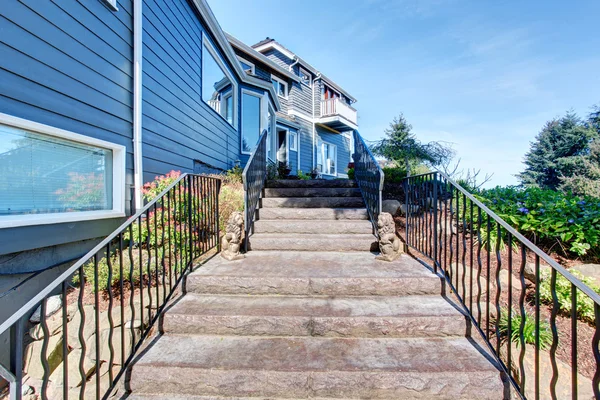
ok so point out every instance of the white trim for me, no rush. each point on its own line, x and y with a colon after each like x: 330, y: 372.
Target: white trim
x: 138, y: 168
x: 337, y: 118
x: 302, y: 115
x: 294, y: 142
x: 112, y: 4
x: 310, y: 79
x: 277, y: 47
x: 206, y: 44
x: 323, y: 143
x: 118, y: 184
x: 281, y: 82
x: 251, y: 64
x: 260, y: 116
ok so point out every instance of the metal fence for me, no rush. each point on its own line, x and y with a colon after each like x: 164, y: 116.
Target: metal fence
x: 109, y: 300
x: 541, y: 322
x: 369, y: 177
x: 254, y: 177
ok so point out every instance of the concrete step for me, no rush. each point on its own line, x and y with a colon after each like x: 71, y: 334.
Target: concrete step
x: 316, y: 367
x: 409, y: 316
x: 327, y: 214
x: 319, y: 273
x: 316, y: 227
x: 312, y: 202
x: 313, y: 242
x: 312, y: 192
x: 313, y: 183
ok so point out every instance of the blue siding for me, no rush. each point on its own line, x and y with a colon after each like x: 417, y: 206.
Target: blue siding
x: 68, y: 65
x: 178, y: 127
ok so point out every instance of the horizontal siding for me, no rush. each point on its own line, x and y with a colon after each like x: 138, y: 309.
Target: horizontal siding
x: 300, y: 98
x: 279, y: 58
x: 178, y: 127
x: 343, y: 147
x: 67, y: 64
x: 305, y: 142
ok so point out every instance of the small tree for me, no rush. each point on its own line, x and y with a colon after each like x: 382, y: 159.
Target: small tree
x: 403, y: 147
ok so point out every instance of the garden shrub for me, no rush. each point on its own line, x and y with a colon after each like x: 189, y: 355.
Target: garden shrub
x: 528, y: 328
x: 302, y: 176
x: 394, y: 174
x: 351, y: 173
x: 585, y: 305
x: 548, y: 217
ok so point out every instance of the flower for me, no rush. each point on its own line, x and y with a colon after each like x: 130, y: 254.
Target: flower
x: 581, y: 203
x: 523, y: 210
x: 571, y: 221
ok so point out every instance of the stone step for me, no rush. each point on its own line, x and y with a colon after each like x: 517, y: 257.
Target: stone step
x: 313, y: 183
x: 319, y: 273
x: 326, y: 214
x: 312, y: 192
x: 316, y: 367
x: 316, y: 227
x: 312, y: 202
x: 313, y: 242
x: 409, y: 316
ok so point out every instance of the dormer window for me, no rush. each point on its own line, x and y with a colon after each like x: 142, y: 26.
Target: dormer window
x: 305, y: 77
x: 280, y: 87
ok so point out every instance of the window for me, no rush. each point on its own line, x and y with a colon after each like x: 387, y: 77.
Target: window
x: 327, y: 158
x: 218, y: 86
x: 247, y: 65
x: 251, y: 113
x: 293, y: 141
x: 270, y: 124
x: 329, y: 93
x: 305, y: 77
x: 280, y: 87
x: 48, y: 175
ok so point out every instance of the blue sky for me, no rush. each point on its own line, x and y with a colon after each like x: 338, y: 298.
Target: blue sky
x: 482, y: 75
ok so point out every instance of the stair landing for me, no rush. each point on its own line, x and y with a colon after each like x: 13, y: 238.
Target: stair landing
x: 329, y: 325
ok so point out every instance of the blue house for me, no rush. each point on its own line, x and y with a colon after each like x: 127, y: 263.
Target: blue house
x: 98, y: 97
x: 316, y: 119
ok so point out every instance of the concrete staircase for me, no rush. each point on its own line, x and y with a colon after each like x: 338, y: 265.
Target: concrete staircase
x: 322, y: 319
x: 314, y: 215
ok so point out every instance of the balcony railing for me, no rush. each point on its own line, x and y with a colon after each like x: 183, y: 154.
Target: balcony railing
x: 336, y: 107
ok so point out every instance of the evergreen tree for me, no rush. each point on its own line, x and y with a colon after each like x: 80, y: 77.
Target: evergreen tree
x: 402, y: 146
x: 557, y: 152
x: 586, y: 181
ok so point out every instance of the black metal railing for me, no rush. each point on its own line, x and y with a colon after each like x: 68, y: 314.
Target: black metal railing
x: 520, y: 300
x: 254, y: 177
x: 107, y: 303
x: 369, y: 177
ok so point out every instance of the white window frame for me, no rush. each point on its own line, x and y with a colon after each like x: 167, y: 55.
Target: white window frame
x: 281, y: 82
x: 211, y: 49
x: 302, y: 70
x: 112, y: 4
x: 251, y: 64
x: 325, y: 167
x: 262, y: 110
x: 118, y: 168
x: 293, y: 143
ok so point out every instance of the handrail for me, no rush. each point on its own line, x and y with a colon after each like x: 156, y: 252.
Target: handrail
x: 470, y: 245
x: 161, y: 241
x: 370, y: 178
x: 254, y: 177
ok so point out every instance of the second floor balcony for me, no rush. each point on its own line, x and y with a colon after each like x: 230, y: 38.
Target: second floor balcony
x: 338, y: 115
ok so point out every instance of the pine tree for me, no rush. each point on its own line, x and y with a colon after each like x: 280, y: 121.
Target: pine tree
x: 558, y: 152
x: 402, y: 146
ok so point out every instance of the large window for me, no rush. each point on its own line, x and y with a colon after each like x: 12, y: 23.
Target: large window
x: 251, y: 114
x: 218, y: 86
x: 246, y: 65
x: 44, y: 172
x: 293, y: 141
x: 326, y: 158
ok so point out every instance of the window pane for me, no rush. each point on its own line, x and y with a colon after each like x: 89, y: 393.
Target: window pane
x: 246, y: 67
x: 44, y: 174
x: 250, y: 122
x: 215, y: 83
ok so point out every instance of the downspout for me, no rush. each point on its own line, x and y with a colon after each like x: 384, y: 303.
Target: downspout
x: 318, y: 77
x: 137, y: 103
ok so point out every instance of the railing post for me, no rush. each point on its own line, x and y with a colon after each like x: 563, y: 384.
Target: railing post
x: 435, y: 222
x: 218, y: 216
x: 190, y: 221
x: 407, y: 209
x: 17, y: 333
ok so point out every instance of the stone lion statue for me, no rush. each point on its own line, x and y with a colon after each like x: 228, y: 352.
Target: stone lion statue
x: 389, y: 243
x: 232, y: 240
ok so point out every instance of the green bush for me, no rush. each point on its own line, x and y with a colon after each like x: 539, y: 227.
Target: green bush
x: 585, y: 305
x: 549, y: 217
x: 351, y: 173
x: 302, y: 176
x: 528, y: 328
x: 394, y: 174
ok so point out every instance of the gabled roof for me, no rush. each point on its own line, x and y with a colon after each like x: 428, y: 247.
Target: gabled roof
x: 269, y: 43
x: 249, y: 51
x: 221, y: 40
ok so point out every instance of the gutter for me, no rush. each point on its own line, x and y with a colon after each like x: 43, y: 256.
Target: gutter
x: 318, y: 77
x: 137, y: 104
